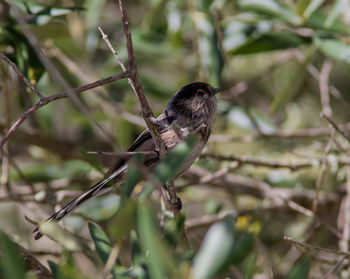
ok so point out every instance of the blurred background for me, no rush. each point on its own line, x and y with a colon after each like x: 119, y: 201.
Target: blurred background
x: 275, y: 170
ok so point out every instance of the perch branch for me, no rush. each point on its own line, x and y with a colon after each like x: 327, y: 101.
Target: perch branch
x: 146, y: 109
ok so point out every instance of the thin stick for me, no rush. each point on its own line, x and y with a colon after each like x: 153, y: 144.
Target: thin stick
x: 19, y: 73
x: 336, y: 126
x: 324, y: 87
x: 45, y: 100
x: 318, y: 248
x: 123, y: 154
x: 322, y: 172
x: 335, y: 267
x: 257, y: 162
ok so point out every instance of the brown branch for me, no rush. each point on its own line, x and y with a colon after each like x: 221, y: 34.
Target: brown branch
x: 322, y: 171
x: 19, y: 73
x: 302, y: 133
x: 33, y: 264
x: 315, y: 247
x: 336, y: 266
x: 123, y: 154
x: 146, y: 109
x: 45, y: 100
x: 344, y: 216
x: 324, y: 87
x: 337, y: 127
x: 257, y: 162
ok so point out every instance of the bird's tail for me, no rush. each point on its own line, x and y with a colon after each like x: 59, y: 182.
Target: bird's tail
x: 96, y: 190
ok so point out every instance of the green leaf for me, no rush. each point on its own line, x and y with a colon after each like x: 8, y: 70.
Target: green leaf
x: 169, y: 166
x: 271, y: 8
x: 91, y: 159
x: 160, y: 260
x: 137, y: 257
x: 317, y: 21
x: 133, y: 176
x: 242, y: 246
x: 123, y: 221
x: 333, y: 48
x: 102, y: 243
x: 10, y: 262
x: 338, y: 7
x: 269, y: 42
x: 66, y: 239
x: 300, y: 270
x: 214, y: 254
x: 312, y: 7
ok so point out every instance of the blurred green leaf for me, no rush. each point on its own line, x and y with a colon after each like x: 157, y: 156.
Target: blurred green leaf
x: 136, y: 253
x: 23, y: 55
x: 66, y: 239
x: 123, y: 221
x: 300, y: 270
x: 91, y: 159
x: 250, y: 266
x: 270, y: 42
x: 317, y: 21
x: 333, y: 48
x: 271, y: 8
x: 100, y: 208
x: 312, y: 7
x: 160, y: 261
x: 102, y: 243
x: 215, y: 251
x: 338, y: 7
x: 172, y: 162
x: 133, y: 176
x: 66, y: 270
x: 241, y: 247
x: 10, y: 263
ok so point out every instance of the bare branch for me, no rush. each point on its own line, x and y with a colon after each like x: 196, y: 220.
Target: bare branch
x: 123, y: 154
x: 20, y: 74
x: 45, y: 100
x: 322, y: 171
x: 336, y: 126
x: 324, y: 87
x: 315, y: 247
x: 146, y: 110
x: 258, y: 162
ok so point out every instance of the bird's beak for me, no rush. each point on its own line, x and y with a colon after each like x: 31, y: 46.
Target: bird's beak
x: 216, y: 90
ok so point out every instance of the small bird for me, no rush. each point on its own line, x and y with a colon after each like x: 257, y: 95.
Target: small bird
x: 190, y: 111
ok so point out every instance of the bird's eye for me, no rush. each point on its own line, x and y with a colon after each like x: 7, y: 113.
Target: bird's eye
x: 200, y: 91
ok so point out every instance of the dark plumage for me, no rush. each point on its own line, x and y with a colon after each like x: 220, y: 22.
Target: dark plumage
x: 191, y: 110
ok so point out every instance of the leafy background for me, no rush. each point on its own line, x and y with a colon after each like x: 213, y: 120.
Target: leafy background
x: 272, y: 59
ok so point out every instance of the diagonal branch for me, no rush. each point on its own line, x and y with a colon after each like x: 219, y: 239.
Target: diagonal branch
x: 19, y: 73
x: 146, y: 109
x: 45, y: 100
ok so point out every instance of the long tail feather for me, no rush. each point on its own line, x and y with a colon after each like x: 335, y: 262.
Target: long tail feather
x: 96, y: 190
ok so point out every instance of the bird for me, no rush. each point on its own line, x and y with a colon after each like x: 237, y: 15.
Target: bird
x: 191, y: 111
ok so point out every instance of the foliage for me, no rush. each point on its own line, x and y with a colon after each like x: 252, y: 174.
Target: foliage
x: 279, y: 63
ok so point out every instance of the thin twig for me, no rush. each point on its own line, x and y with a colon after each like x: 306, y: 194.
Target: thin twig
x: 19, y: 73
x: 336, y: 126
x: 45, y: 100
x: 302, y: 133
x: 123, y: 154
x: 324, y: 87
x: 335, y: 267
x: 345, y: 209
x: 322, y: 171
x: 257, y: 162
x: 315, y: 247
